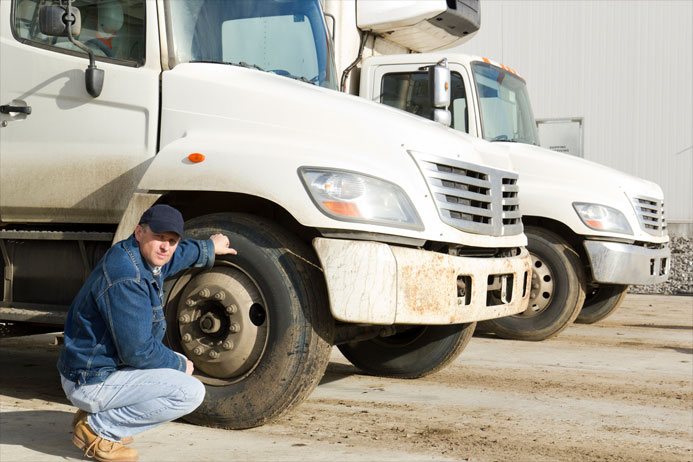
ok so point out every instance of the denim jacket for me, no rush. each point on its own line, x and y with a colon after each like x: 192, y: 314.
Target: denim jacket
x: 117, y: 318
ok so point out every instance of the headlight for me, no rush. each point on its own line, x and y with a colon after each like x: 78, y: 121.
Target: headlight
x: 602, y: 218
x: 351, y: 196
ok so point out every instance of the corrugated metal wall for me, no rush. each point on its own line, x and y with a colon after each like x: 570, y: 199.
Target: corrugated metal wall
x: 625, y: 66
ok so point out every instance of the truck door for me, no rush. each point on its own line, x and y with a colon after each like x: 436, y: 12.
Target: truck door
x: 66, y: 156
x: 405, y: 86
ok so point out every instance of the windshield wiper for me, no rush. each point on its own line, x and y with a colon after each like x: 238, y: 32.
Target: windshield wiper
x: 239, y: 64
x: 505, y: 139
x: 255, y: 66
x: 304, y: 79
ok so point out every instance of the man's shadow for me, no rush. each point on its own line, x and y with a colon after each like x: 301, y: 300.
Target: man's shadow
x: 46, y: 432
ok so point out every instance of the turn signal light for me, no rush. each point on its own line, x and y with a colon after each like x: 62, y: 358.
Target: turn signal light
x: 196, y: 157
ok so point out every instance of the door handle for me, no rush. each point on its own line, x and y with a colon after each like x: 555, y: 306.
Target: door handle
x: 6, y: 109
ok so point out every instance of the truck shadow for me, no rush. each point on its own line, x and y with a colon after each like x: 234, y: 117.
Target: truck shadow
x: 46, y: 432
x: 338, y: 371
x: 29, y: 369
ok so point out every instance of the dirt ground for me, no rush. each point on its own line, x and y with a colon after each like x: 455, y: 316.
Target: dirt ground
x: 618, y: 390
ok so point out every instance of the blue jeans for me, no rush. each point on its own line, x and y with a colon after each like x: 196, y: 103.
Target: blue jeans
x: 131, y: 401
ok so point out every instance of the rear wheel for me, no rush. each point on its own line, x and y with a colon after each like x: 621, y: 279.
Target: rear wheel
x: 256, y: 326
x: 413, y: 352
x: 557, y: 293
x: 601, y: 302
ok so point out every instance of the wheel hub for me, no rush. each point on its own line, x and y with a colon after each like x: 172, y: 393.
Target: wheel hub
x: 222, y: 322
x: 542, y: 288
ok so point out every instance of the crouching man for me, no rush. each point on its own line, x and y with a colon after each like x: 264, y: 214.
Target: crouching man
x: 114, y: 366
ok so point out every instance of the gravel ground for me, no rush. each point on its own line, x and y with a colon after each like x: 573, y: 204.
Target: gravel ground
x: 681, y: 274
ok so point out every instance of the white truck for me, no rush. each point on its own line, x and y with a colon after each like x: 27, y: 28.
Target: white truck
x: 592, y: 230
x: 228, y: 110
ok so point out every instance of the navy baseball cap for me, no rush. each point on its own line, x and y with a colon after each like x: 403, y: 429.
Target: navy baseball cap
x: 163, y: 218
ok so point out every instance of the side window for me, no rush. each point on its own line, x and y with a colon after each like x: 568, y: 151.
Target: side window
x: 409, y: 91
x: 458, y: 98
x: 111, y: 28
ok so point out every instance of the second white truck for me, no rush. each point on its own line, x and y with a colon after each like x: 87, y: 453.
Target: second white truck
x: 592, y: 230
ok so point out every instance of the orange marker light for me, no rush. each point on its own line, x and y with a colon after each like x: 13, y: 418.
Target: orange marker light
x: 343, y: 208
x: 486, y: 60
x: 196, y: 157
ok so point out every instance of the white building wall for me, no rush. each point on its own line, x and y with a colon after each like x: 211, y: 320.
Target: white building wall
x: 626, y: 67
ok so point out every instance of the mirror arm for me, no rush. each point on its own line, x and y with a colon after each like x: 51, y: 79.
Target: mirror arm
x: 93, y: 76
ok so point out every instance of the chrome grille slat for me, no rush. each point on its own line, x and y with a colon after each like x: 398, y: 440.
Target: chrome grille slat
x: 471, y: 197
x: 508, y: 215
x: 468, y: 209
x: 451, y: 177
x: 456, y: 192
x: 448, y: 195
x: 650, y: 213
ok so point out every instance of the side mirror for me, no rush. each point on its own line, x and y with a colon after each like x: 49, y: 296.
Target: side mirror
x: 442, y: 116
x: 439, y: 91
x: 439, y: 81
x: 53, y: 21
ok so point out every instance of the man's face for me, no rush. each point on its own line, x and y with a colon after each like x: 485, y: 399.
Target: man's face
x: 156, y: 248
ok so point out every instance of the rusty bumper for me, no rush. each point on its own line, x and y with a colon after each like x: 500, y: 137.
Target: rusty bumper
x: 376, y: 283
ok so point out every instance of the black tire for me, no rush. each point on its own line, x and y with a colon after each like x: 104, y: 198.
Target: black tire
x: 557, y: 294
x: 601, y: 302
x: 283, y: 333
x: 413, y: 352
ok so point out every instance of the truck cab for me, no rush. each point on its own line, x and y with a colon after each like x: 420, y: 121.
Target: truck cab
x: 592, y: 230
x: 356, y: 225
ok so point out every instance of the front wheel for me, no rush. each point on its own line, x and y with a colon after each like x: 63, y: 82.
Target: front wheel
x: 557, y: 293
x: 412, y: 352
x: 256, y: 326
x: 601, y: 302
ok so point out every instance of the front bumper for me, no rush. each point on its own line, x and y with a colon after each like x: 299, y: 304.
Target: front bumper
x: 618, y: 263
x: 377, y: 283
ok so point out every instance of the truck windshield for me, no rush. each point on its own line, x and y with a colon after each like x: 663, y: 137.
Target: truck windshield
x: 506, y: 114
x: 285, y: 37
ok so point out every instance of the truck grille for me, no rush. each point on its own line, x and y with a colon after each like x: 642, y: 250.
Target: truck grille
x: 650, y: 214
x: 472, y: 198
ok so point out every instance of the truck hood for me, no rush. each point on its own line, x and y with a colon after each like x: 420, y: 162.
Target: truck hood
x: 239, y: 94
x: 249, y: 123
x: 534, y: 161
x: 548, y: 177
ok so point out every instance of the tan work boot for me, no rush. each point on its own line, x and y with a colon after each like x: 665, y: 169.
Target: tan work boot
x: 99, y: 448
x: 80, y: 414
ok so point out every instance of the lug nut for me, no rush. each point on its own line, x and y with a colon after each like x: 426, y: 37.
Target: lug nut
x: 213, y: 354
x: 235, y: 327
x: 228, y: 345
x: 184, y: 319
x: 231, y: 309
x: 190, y: 302
x: 187, y: 338
x: 198, y: 350
x: 220, y: 296
x: 204, y: 293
